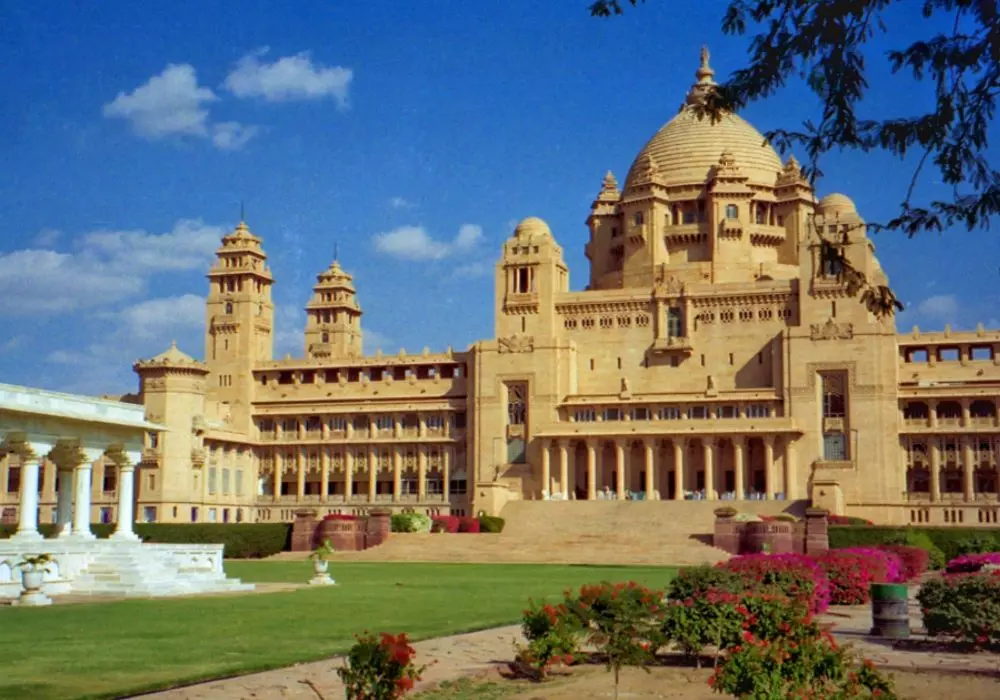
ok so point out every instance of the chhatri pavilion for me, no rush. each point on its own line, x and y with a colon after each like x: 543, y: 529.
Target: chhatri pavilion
x: 713, y: 354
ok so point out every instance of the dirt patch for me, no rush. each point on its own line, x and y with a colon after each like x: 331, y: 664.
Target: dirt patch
x: 593, y: 683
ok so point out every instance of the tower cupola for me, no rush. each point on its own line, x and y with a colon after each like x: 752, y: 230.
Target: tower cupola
x: 333, y: 316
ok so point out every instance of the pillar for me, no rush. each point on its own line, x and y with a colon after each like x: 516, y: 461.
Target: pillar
x: 739, y: 450
x: 421, y: 470
x: 679, y: 445
x: 31, y: 453
x: 649, y: 446
x: 769, y: 467
x: 708, y: 449
x: 620, y: 469
x: 300, y: 464
x: 64, y: 503
x: 372, y: 473
x: 446, y: 470
x: 968, y: 469
x: 81, y: 506
x: 563, y: 468
x: 126, y: 498
x: 591, y: 471
x: 935, y: 469
x: 397, y: 472
x: 546, y: 472
x: 791, y: 470
x: 324, y: 466
x: 348, y: 474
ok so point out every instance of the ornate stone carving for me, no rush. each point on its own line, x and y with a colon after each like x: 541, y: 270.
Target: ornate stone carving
x: 116, y: 453
x: 667, y: 284
x: 518, y: 342
x: 16, y: 443
x: 831, y: 330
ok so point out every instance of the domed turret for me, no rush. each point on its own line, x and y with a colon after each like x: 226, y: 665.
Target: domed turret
x: 532, y: 227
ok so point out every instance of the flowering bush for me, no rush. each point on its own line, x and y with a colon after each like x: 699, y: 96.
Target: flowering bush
x: 444, y: 523
x: 793, y: 575
x: 847, y: 520
x: 963, y: 607
x: 707, y: 619
x: 915, y: 560
x: 553, y: 633
x: 380, y: 668
x: 622, y: 622
x: 341, y: 516
x: 888, y: 567
x: 469, y: 525
x: 693, y: 581
x: 411, y: 522
x: 850, y: 576
x: 969, y: 563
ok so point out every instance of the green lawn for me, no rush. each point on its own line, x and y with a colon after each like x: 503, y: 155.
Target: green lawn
x: 100, y: 650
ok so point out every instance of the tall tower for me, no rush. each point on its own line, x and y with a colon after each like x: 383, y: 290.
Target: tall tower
x: 333, y: 317
x: 239, y: 321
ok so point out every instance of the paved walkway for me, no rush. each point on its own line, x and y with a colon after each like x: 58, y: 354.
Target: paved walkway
x: 478, y: 652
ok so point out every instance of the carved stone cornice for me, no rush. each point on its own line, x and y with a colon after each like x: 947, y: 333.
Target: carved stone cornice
x: 518, y: 342
x: 831, y: 330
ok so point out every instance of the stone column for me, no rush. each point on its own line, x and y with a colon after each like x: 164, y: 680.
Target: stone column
x: 968, y: 469
x: 650, y: 446
x: 739, y: 448
x: 300, y: 466
x: 348, y: 474
x: 372, y: 473
x: 769, y: 467
x: 935, y: 469
x: 397, y: 472
x: 81, y: 506
x: 125, y: 461
x: 446, y: 472
x: 421, y: 470
x: 679, y: 445
x: 31, y: 453
x: 324, y: 475
x: 791, y: 467
x: 620, y: 469
x: 546, y: 472
x: 563, y: 468
x: 64, y: 503
x: 591, y: 471
x: 708, y: 449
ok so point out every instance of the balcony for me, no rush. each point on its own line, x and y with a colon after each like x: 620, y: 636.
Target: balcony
x: 672, y: 344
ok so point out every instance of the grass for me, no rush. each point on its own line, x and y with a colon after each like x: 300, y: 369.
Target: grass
x: 472, y: 689
x: 104, y: 650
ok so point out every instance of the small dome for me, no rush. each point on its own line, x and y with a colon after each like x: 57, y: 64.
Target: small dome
x: 837, y: 203
x: 532, y: 227
x: 174, y: 355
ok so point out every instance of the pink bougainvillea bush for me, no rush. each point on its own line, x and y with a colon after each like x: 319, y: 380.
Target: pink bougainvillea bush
x: 915, y: 560
x: 887, y: 566
x: 793, y: 575
x: 969, y: 563
x: 444, y: 523
x: 850, y: 575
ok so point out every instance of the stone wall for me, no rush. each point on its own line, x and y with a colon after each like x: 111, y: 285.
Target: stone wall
x: 308, y: 531
x: 807, y: 536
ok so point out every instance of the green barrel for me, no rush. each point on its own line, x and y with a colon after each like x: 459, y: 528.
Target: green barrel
x: 890, y: 611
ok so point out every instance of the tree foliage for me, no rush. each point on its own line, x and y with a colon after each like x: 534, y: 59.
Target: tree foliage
x: 823, y: 42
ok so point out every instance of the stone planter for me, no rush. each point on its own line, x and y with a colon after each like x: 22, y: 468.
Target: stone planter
x: 774, y: 537
x: 320, y: 575
x: 320, y: 566
x: 32, y: 596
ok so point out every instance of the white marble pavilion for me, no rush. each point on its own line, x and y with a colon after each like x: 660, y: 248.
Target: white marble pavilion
x: 73, y: 432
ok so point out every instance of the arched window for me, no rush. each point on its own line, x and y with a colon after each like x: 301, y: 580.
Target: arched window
x: 732, y: 211
x: 229, y: 307
x: 637, y: 218
x: 326, y: 337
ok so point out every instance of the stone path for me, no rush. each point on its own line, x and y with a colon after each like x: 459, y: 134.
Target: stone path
x: 479, y: 652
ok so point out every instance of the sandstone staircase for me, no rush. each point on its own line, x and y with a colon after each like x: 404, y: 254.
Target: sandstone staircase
x: 662, y: 533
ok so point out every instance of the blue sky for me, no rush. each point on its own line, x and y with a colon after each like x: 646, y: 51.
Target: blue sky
x: 130, y: 132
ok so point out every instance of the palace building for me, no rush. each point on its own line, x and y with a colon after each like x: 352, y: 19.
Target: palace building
x: 713, y: 354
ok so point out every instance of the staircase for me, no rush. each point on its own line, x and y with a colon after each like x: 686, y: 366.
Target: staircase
x: 654, y: 533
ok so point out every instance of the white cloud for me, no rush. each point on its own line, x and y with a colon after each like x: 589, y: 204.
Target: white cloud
x: 47, y: 237
x: 473, y: 270
x: 168, y: 103
x: 163, y: 318
x: 400, y: 203
x: 173, y: 104
x: 105, y: 267
x: 941, y: 307
x: 373, y: 340
x: 232, y: 136
x: 288, y: 78
x: 414, y: 243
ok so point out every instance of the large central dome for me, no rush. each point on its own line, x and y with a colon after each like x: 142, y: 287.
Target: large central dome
x: 686, y: 148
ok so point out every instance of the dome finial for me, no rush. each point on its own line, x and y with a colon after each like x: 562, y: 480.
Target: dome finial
x: 706, y: 79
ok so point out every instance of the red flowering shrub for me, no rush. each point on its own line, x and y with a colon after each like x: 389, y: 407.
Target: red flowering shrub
x: 553, y: 633
x: 850, y: 576
x: 915, y: 560
x: 380, y: 668
x: 469, y: 525
x: 709, y: 619
x: 341, y: 516
x: 847, y: 520
x: 888, y: 567
x: 444, y: 523
x: 795, y: 576
x: 969, y: 563
x: 963, y: 607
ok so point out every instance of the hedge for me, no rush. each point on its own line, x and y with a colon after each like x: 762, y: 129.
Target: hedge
x: 952, y: 541
x: 241, y: 540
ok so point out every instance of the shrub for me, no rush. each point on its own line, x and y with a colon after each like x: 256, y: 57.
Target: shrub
x: 796, y: 576
x: 977, y: 544
x: 380, y: 668
x: 916, y: 538
x: 915, y: 560
x: 970, y: 563
x: 850, y: 576
x: 553, y: 633
x: 469, y: 525
x: 847, y: 521
x: 963, y: 607
x: 444, y: 523
x: 621, y: 622
x: 695, y: 581
x: 490, y: 523
x: 888, y: 567
x: 725, y: 512
x: 785, y: 518
x: 410, y: 522
x: 240, y: 540
x: 348, y: 517
x: 710, y: 618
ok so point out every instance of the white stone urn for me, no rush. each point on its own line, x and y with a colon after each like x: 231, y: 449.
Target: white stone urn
x: 33, y: 570
x: 320, y: 566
